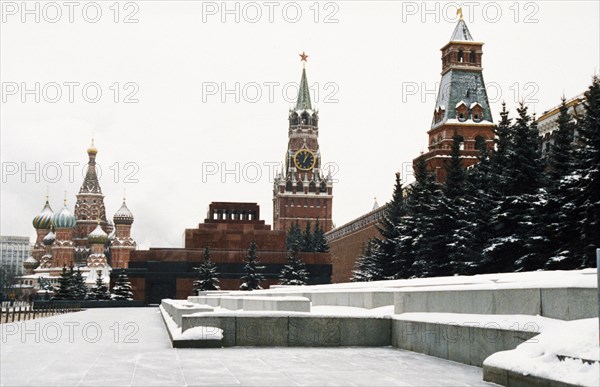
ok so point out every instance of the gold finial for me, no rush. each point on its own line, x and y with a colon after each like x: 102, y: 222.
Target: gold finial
x: 124, y: 191
x: 65, y: 199
x: 92, y: 149
x: 459, y: 13
x: 47, y: 193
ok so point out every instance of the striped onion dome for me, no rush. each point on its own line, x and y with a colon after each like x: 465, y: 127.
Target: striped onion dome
x: 43, y: 221
x: 98, y: 236
x: 123, y: 215
x: 49, y: 238
x: 64, y: 218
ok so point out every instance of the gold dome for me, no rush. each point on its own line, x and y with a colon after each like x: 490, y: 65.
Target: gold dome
x: 92, y: 149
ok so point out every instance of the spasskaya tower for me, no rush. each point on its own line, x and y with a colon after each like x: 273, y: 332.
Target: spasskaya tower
x: 301, y: 192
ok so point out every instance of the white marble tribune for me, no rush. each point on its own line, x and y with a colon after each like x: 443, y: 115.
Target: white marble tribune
x: 96, y: 347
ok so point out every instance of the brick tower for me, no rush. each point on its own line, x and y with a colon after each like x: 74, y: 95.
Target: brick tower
x: 301, y: 193
x: 90, y: 203
x: 462, y: 106
x: 122, y: 244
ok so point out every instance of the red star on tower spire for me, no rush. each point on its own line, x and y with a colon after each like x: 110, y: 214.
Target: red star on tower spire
x: 303, y: 57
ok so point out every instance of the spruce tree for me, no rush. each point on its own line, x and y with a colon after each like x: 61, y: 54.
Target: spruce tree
x: 252, y: 271
x: 503, y: 139
x: 79, y: 286
x: 66, y: 285
x: 561, y: 212
x: 294, y: 273
x: 424, y: 243
x: 320, y: 244
x: 367, y: 268
x: 100, y: 290
x: 307, y: 240
x: 455, y: 172
x: 293, y: 237
x: 482, y: 194
x: 588, y: 168
x: 518, y: 235
x: 207, y: 275
x: 122, y: 288
x: 384, y: 249
x: 560, y: 159
x: 460, y: 215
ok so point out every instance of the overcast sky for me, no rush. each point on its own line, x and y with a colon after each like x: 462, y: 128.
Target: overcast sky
x: 182, y: 65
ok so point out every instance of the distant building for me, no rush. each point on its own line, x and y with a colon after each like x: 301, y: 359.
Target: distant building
x: 547, y: 122
x: 14, y: 250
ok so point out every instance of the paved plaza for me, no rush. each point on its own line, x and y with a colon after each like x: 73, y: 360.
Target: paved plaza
x: 130, y: 347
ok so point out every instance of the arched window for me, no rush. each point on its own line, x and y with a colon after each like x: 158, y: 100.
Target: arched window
x: 479, y: 142
x: 460, y: 56
x: 294, y: 119
x: 305, y: 118
x: 473, y: 57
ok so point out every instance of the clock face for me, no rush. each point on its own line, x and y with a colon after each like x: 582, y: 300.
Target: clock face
x: 304, y: 160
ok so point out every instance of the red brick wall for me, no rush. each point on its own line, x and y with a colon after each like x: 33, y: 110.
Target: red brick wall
x: 346, y: 250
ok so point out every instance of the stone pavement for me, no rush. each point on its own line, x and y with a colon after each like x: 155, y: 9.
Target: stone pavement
x: 130, y: 347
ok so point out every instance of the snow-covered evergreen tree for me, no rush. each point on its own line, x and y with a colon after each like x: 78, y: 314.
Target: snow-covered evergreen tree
x: 252, y: 271
x: 320, y: 244
x: 367, y: 268
x: 207, y: 275
x: 66, y: 285
x: 122, y: 288
x: 560, y: 158
x: 294, y: 273
x: 79, y: 286
x: 306, y: 244
x: 384, y: 248
x: 482, y: 182
x: 518, y: 239
x: 461, y: 216
x: 100, y: 290
x: 561, y: 213
x: 588, y: 170
x: 293, y: 237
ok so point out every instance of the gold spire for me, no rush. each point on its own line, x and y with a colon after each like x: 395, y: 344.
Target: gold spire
x: 459, y: 12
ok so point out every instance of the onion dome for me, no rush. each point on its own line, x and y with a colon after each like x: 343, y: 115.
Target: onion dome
x: 30, y: 263
x: 44, y: 220
x: 92, y: 149
x: 64, y: 218
x: 49, y: 238
x: 98, y: 236
x: 123, y: 215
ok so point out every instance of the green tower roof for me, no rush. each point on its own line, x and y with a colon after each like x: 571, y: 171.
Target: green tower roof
x: 303, y: 101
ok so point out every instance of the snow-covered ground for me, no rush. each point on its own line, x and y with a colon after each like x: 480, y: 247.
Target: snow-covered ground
x: 576, y: 340
x: 130, y: 347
